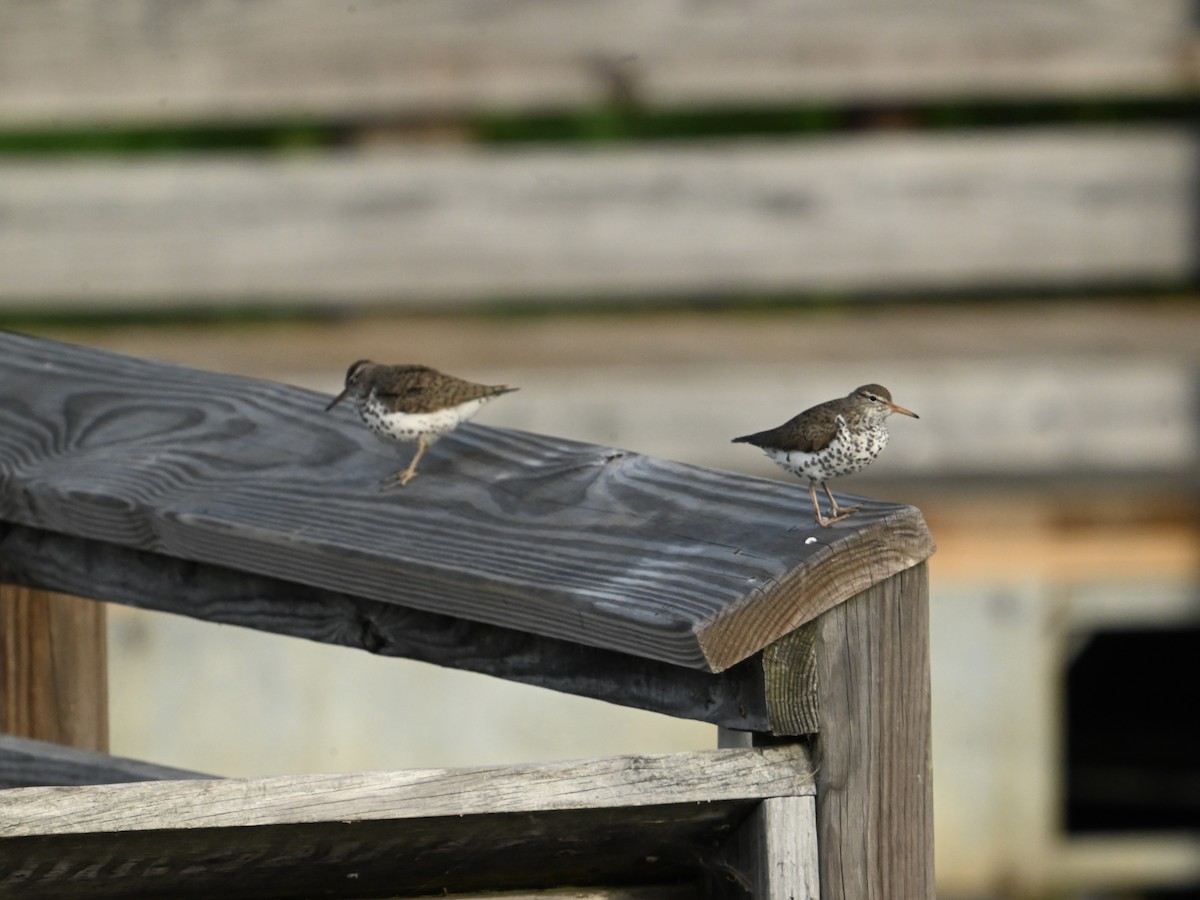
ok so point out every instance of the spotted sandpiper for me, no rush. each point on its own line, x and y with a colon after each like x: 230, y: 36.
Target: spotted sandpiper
x: 412, y: 403
x: 834, y: 438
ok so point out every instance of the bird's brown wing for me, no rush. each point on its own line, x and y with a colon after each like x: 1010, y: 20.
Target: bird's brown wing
x: 420, y: 389
x: 816, y: 432
x: 809, y: 432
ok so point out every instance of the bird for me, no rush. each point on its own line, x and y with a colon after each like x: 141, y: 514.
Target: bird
x: 411, y: 403
x: 835, y: 438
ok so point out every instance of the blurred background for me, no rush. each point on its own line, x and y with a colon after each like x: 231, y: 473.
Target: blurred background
x: 671, y: 223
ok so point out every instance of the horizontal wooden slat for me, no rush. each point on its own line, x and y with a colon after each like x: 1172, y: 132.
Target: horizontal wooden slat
x: 602, y: 547
x: 145, y: 60
x: 29, y: 763
x: 604, y: 783
x: 1054, y: 207
x: 623, y: 820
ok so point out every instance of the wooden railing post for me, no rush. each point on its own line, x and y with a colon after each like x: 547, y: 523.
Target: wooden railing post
x: 53, y: 668
x: 874, y: 781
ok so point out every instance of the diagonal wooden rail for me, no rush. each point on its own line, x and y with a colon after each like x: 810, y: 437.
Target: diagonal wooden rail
x: 588, y: 569
x: 563, y: 540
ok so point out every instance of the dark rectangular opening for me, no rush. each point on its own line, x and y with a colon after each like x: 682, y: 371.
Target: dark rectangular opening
x: 1133, y: 732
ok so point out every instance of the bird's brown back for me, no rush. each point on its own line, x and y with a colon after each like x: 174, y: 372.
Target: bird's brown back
x: 420, y: 389
x: 809, y: 432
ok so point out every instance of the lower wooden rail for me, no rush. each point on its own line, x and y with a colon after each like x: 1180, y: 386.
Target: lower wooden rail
x: 723, y: 821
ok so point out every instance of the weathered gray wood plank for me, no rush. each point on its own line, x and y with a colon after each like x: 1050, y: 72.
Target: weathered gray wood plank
x: 648, y: 819
x: 142, y: 60
x: 29, y: 763
x: 733, y: 698
x: 429, y: 229
x: 605, y: 783
x: 874, y: 776
x: 602, y: 547
x: 626, y: 820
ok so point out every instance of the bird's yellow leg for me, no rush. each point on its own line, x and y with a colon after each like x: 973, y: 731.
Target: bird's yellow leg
x: 403, y: 477
x: 836, y: 514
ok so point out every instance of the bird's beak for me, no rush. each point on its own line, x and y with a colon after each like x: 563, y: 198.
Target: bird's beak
x: 894, y: 408
x: 342, y: 396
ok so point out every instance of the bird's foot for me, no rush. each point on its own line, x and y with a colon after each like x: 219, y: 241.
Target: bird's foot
x: 399, y: 479
x: 842, y: 511
x: 825, y: 522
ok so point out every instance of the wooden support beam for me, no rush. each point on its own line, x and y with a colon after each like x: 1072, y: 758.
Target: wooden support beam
x: 773, y: 855
x: 53, y: 661
x: 790, y: 682
x: 874, y: 775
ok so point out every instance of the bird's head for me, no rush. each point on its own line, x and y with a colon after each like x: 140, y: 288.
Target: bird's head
x: 356, y: 377
x: 876, y: 395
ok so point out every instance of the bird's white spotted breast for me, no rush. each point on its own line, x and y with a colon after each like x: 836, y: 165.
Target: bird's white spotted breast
x: 408, y: 427
x: 845, y: 455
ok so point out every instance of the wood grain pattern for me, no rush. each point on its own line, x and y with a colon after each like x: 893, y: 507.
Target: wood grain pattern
x: 211, y: 59
x: 30, y: 763
x: 732, y: 698
x: 604, y: 783
x: 790, y: 683
x: 438, y: 229
x: 571, y: 541
x: 53, y: 668
x: 625, y: 820
x: 842, y: 568
x: 874, y: 777
x: 652, y: 847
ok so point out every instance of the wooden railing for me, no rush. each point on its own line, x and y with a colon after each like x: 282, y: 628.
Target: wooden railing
x: 591, y: 570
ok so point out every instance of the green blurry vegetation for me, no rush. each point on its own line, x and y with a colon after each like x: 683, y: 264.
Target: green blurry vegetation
x: 271, y: 138
x: 622, y: 122
x: 617, y: 124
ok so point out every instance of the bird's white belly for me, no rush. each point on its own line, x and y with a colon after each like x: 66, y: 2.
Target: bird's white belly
x: 408, y: 427
x: 806, y: 465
